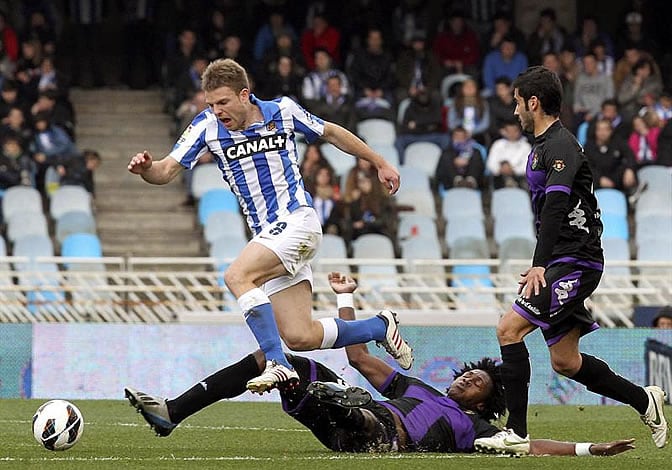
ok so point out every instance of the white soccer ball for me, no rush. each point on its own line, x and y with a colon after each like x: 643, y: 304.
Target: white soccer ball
x: 58, y: 425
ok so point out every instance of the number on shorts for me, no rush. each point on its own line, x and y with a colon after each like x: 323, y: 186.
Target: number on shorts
x: 279, y: 227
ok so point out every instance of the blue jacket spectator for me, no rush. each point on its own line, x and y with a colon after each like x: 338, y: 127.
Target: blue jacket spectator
x: 505, y: 62
x: 268, y: 33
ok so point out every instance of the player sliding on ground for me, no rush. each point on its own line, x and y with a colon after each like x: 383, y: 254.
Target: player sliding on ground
x: 347, y: 419
x: 254, y: 145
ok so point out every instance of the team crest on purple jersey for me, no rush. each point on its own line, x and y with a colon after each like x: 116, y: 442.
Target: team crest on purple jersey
x: 559, y: 165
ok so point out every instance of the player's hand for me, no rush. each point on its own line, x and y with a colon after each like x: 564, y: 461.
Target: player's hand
x: 531, y: 281
x: 140, y: 163
x: 612, y: 448
x: 341, y: 283
x: 389, y: 176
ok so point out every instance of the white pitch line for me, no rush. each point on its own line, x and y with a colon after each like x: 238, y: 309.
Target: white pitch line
x: 391, y: 456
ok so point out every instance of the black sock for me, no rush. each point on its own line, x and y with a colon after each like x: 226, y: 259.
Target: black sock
x: 225, y: 383
x: 596, y: 375
x: 516, y: 372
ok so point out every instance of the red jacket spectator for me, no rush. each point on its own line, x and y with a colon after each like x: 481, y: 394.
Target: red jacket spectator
x: 457, y: 47
x: 10, y: 41
x: 320, y: 36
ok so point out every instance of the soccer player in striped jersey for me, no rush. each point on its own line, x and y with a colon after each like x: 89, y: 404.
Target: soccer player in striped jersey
x: 254, y: 144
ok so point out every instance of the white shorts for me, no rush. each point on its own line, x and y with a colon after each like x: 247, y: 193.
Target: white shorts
x: 294, y: 238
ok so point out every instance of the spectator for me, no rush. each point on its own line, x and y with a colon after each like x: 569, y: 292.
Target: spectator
x: 663, y: 107
x: 665, y: 145
x: 609, y: 111
x: 232, y: 48
x: 49, y: 78
x: 7, y: 66
x: 371, y: 210
x: 10, y: 98
x: 501, y: 106
x: 190, y: 81
x: 320, y: 36
x: 42, y: 30
x: 640, y: 85
x: 547, y: 37
x: 313, y: 159
x: 50, y: 145
x: 326, y: 200
x: 362, y: 167
x: 502, y: 26
x: 78, y: 170
x: 222, y: 25
x: 507, y: 159
x: 591, y: 89
x: 284, y: 81
x: 372, y: 77
x: 644, y: 139
x: 635, y: 34
x: 470, y: 112
x: 663, y: 319
x: 28, y: 68
x: 284, y: 45
x: 422, y: 122
x: 16, y: 166
x: 504, y: 62
x: 457, y: 47
x: 605, y: 61
x: 611, y: 160
x: 267, y: 36
x: 9, y: 38
x: 58, y: 109
x: 178, y: 63
x: 631, y: 56
x: 408, y: 18
x: 460, y: 165
x: 551, y: 61
x: 15, y: 124
x: 417, y: 69
x: 314, y: 87
x: 335, y: 106
x: 188, y: 110
x: 588, y: 34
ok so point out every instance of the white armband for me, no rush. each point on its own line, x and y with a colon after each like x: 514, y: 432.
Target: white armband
x: 345, y: 300
x: 582, y: 449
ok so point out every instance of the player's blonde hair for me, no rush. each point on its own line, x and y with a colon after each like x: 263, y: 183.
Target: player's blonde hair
x: 225, y: 72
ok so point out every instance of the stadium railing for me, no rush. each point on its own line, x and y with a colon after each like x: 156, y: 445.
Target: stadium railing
x: 165, y: 290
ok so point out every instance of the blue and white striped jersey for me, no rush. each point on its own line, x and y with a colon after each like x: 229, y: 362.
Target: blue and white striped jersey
x: 260, y: 163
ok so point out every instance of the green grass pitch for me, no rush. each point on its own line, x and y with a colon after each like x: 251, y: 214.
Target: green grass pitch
x: 258, y: 435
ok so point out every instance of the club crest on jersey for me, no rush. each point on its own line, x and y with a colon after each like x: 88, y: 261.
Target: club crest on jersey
x: 558, y: 165
x: 535, y: 161
x: 270, y: 126
x: 267, y: 143
x: 184, y: 135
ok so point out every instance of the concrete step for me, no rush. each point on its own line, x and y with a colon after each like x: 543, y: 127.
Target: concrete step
x: 129, y: 145
x: 147, y: 120
x: 129, y: 107
x: 117, y: 177
x: 130, y: 129
x: 137, y: 246
x: 141, y: 220
x: 98, y: 95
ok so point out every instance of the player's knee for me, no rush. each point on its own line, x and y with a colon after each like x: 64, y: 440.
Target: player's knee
x: 506, y: 334
x: 233, y: 278
x: 299, y: 340
x: 567, y: 366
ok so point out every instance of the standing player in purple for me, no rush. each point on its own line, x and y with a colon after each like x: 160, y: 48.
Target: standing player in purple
x: 254, y: 144
x: 566, y: 269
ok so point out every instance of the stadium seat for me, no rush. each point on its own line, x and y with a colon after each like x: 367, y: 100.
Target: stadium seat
x: 582, y: 133
x: 423, y: 248
x: 33, y: 245
x: 615, y: 226
x: 74, y: 222
x: 424, y: 156
x: 413, y: 178
x: 401, y: 110
x: 449, y: 82
x: 612, y: 201
x: 654, y: 227
x: 510, y: 201
x: 82, y: 245
x: 654, y: 250
x: 657, y: 178
x: 206, y: 176
x: 300, y: 149
x: 226, y: 247
x: 221, y: 223
x: 461, y: 202
x: 513, y: 226
x: 377, y: 131
x: 414, y: 225
x: 469, y: 248
x: 332, y: 246
x: 420, y: 200
x: 20, y: 199
x: 340, y: 161
x: 461, y: 227
x: 653, y: 203
x: 388, y: 152
x: 216, y: 200
x: 379, y: 247
x: 21, y: 224
x: 471, y: 275
x: 514, y: 249
x: 69, y: 198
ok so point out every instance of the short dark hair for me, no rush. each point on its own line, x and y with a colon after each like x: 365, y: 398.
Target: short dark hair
x: 665, y: 312
x: 544, y: 84
x: 494, y: 405
x: 503, y: 80
x: 609, y: 102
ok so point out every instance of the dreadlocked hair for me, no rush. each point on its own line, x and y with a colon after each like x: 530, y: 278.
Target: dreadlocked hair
x: 494, y: 406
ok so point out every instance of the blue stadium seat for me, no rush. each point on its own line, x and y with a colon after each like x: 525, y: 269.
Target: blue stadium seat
x: 377, y: 131
x: 340, y: 161
x: 413, y: 178
x: 20, y: 199
x: 657, y: 178
x: 471, y: 275
x: 69, y: 198
x: 582, y: 133
x: 332, y: 246
x: 510, y: 201
x: 24, y: 223
x: 221, y: 223
x: 424, y: 156
x: 615, y: 226
x: 654, y: 227
x: 612, y: 201
x: 416, y: 226
x: 216, y: 200
x: 464, y: 227
x: 206, y: 176
x: 462, y: 202
x: 74, y: 222
x: 82, y: 245
x: 388, y: 152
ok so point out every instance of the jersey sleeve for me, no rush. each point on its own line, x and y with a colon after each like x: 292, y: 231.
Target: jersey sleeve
x: 397, y: 384
x: 191, y: 145
x: 311, y: 126
x: 561, y: 160
x: 482, y: 428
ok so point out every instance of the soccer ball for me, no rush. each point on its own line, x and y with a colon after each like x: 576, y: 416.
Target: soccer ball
x: 57, y: 425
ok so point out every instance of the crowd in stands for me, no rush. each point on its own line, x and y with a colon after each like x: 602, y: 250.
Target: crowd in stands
x: 449, y: 85
x: 37, y: 119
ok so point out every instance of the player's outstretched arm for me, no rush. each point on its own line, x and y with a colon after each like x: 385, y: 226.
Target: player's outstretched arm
x: 350, y: 143
x: 154, y: 172
x: 549, y: 447
x: 372, y: 368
